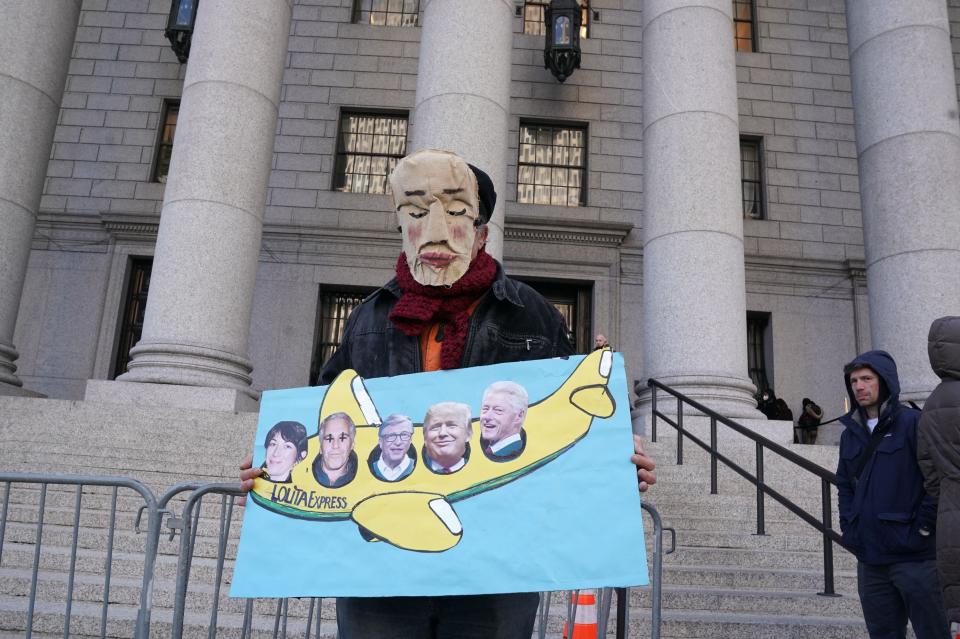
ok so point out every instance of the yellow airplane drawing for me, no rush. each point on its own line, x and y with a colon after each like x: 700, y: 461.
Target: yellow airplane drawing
x: 416, y: 512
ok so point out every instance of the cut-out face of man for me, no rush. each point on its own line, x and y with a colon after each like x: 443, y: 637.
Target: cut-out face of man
x: 395, y: 441
x: 435, y: 195
x: 446, y: 431
x: 502, y: 412
x: 336, y: 444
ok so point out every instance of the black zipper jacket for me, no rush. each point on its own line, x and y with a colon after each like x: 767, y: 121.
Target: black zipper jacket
x: 512, y: 323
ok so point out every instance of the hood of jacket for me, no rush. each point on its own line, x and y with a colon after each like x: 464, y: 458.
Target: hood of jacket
x: 883, y: 365
x: 943, y: 347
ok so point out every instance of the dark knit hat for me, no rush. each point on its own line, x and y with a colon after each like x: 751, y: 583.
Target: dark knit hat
x: 488, y: 196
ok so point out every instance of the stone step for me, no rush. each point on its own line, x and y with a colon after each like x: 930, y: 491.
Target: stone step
x: 694, y: 502
x: 695, y: 556
x: 699, y: 624
x: 755, y: 600
x: 124, y: 564
x: 745, y: 511
x: 205, y: 545
x: 86, y: 622
x: 695, y: 522
x: 126, y: 592
x: 664, y: 451
x: 696, y: 469
x: 709, y: 622
x: 804, y: 579
x: 686, y: 612
x: 52, y: 587
x: 769, y: 542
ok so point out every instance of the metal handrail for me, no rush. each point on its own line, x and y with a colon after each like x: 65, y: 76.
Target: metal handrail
x: 824, y: 523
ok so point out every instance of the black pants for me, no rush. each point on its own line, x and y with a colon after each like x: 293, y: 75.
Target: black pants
x: 509, y: 616
x: 894, y: 593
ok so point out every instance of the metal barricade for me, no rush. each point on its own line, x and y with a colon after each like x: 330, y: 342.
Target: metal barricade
x: 63, y: 539
x: 606, y: 595
x: 83, y: 556
x: 308, y: 620
x: 208, y: 523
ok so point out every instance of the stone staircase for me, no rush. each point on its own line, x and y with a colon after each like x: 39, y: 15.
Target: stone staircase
x: 723, y: 580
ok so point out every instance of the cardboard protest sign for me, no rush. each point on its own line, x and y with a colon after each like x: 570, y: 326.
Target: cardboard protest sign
x: 506, y: 478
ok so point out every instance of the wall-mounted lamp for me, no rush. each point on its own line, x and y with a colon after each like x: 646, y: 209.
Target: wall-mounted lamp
x: 561, y: 51
x: 183, y: 13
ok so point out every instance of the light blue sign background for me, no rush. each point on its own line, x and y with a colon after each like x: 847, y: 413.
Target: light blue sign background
x: 574, y: 523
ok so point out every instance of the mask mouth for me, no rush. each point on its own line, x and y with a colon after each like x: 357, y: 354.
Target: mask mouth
x: 437, y: 259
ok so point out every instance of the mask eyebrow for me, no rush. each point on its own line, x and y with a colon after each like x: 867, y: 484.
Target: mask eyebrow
x: 452, y: 191
x: 415, y: 193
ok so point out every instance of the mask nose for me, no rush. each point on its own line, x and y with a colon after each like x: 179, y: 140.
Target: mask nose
x: 436, y: 223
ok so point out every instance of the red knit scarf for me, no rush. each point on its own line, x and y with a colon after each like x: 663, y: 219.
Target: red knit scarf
x: 422, y: 306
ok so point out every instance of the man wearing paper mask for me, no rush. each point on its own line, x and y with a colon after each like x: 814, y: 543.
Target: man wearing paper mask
x: 449, y: 306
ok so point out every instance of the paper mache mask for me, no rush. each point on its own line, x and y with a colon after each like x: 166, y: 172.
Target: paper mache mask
x: 437, y: 206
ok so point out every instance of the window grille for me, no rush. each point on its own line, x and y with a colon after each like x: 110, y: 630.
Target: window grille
x: 387, y: 13
x: 368, y: 149
x: 751, y: 180
x: 551, y: 168
x: 757, y: 324
x: 161, y: 165
x: 335, y: 306
x: 744, y: 25
x: 134, y: 307
x: 574, y: 302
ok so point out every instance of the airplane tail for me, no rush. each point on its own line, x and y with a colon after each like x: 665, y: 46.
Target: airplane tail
x: 587, y: 385
x: 347, y: 394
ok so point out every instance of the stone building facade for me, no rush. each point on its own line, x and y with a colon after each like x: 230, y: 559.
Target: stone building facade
x: 851, y: 241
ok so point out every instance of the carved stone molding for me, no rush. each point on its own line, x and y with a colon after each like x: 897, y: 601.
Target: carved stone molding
x: 857, y: 270
x: 133, y: 227
x: 598, y: 237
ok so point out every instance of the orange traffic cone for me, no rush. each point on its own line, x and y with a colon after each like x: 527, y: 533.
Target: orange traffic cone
x: 585, y: 619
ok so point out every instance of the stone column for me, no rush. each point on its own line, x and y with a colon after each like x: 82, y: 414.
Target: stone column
x: 908, y: 149
x: 463, y: 89
x: 694, y: 300
x: 35, y: 43
x: 197, y: 322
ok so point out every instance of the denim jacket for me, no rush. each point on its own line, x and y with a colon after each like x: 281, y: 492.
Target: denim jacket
x: 512, y: 323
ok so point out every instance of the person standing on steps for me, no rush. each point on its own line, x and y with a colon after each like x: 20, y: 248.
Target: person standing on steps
x: 886, y: 516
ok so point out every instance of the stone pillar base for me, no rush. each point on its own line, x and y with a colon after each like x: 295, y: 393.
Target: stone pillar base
x: 730, y: 397
x: 8, y: 370
x: 188, y: 365
x: 9, y: 390
x: 170, y: 396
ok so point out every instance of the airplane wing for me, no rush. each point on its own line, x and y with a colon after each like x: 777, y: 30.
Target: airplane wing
x: 425, y: 522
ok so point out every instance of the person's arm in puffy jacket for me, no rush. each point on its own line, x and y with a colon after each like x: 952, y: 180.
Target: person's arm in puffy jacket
x: 931, y: 475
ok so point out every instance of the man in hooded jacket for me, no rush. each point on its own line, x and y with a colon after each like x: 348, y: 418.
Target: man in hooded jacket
x: 938, y: 453
x: 886, y: 516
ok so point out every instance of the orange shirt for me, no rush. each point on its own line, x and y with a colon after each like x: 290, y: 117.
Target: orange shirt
x: 430, y: 346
